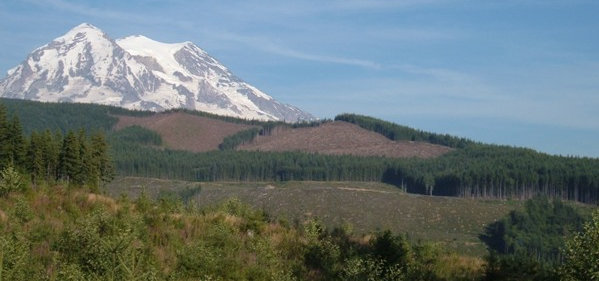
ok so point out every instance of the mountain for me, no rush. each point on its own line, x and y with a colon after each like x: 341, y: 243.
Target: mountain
x: 86, y: 66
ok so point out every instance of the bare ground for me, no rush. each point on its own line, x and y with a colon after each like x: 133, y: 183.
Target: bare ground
x: 185, y: 131
x: 339, y: 138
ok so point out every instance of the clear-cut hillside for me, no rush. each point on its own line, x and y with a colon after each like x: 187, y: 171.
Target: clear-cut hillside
x: 342, y: 138
x: 85, y: 65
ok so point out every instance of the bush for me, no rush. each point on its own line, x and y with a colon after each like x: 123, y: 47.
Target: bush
x: 582, y: 253
x: 10, y: 180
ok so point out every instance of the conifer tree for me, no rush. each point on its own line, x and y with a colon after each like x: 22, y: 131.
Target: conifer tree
x: 17, y: 143
x: 86, y: 169
x: 103, y: 170
x: 4, y: 139
x: 51, y: 150
x: 70, y: 161
x: 35, y: 158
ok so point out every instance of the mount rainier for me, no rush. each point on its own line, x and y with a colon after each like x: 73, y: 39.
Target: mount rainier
x: 87, y: 66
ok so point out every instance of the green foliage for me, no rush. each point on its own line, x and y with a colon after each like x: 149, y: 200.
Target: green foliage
x: 471, y: 170
x: 70, y: 160
x: 232, y: 141
x: 336, y: 256
x: 99, y: 238
x: 537, y: 232
x: 106, y: 247
x: 528, y: 244
x: 22, y: 211
x: 4, y: 138
x: 10, y: 180
x: 477, y: 171
x: 581, y: 255
x: 137, y: 134
x: 15, y: 258
x: 517, y: 267
x: 100, y: 169
x: 397, y: 132
x: 38, y: 116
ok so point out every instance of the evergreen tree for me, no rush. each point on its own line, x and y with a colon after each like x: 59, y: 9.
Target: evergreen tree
x: 86, y: 169
x: 69, y: 165
x: 35, y: 158
x: 17, y: 143
x: 103, y: 170
x: 51, y: 146
x: 5, y: 153
x: 582, y: 253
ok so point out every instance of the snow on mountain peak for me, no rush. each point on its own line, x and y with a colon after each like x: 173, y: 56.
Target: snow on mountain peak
x: 84, y: 30
x: 84, y: 27
x: 136, y: 72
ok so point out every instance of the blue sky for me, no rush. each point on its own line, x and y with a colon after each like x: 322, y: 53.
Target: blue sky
x: 523, y: 73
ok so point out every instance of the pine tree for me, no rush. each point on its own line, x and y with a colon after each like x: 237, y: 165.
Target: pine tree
x: 103, y: 170
x: 52, y: 149
x: 35, y: 158
x: 17, y: 143
x: 86, y: 169
x: 70, y: 161
x: 5, y: 153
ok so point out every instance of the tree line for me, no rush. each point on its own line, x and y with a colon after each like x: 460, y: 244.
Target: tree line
x: 75, y: 158
x: 471, y: 170
x: 476, y: 171
x: 397, y: 132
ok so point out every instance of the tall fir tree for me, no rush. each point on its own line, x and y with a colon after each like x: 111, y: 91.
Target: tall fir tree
x: 103, y: 170
x: 5, y: 153
x: 86, y: 169
x: 51, y: 146
x: 35, y: 158
x: 17, y: 143
x: 70, y: 161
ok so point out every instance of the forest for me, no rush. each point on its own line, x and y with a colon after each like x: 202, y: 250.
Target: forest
x: 55, y: 225
x: 472, y: 170
x: 75, y: 158
x: 528, y: 244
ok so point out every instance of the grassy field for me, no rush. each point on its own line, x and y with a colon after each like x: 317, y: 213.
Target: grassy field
x: 365, y: 207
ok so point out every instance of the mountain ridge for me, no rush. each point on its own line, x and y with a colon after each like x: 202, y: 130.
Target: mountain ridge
x: 135, y: 72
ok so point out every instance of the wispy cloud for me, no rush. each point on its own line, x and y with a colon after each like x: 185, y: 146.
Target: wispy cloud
x: 269, y: 46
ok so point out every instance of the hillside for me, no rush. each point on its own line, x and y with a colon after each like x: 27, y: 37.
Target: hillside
x: 191, y: 132
x: 366, y: 207
x: 184, y: 131
x: 341, y: 138
x: 58, y: 233
x: 471, y: 169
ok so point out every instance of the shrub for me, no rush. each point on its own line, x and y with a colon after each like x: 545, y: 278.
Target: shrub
x: 10, y: 180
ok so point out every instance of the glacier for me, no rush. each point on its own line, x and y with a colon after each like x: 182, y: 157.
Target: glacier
x: 86, y: 66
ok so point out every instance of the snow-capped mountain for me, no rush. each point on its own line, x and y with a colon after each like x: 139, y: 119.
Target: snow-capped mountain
x: 87, y: 66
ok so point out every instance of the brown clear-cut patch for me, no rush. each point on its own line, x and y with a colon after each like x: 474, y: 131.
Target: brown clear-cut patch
x: 185, y: 131
x: 342, y: 138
